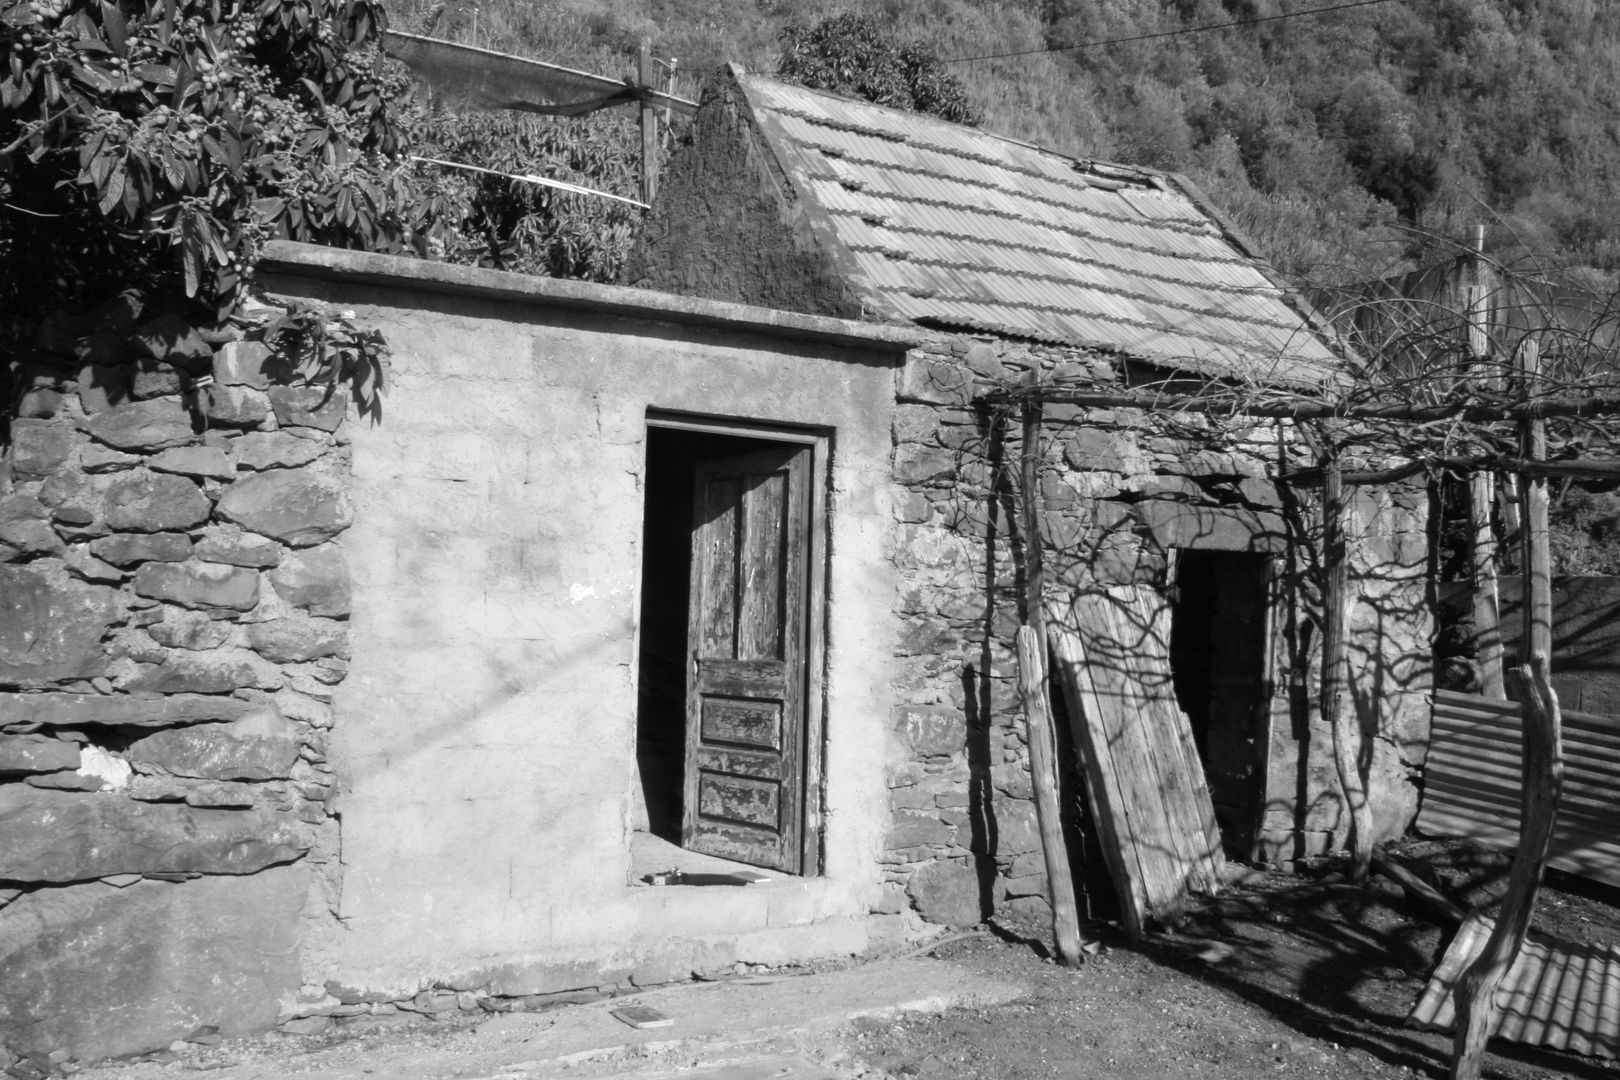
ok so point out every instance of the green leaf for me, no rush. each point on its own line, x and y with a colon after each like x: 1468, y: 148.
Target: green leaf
x: 116, y: 28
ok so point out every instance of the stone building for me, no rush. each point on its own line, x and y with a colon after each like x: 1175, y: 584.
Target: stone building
x: 307, y: 713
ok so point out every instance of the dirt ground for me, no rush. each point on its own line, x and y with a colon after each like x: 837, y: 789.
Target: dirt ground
x: 1289, y: 976
x: 1283, y: 975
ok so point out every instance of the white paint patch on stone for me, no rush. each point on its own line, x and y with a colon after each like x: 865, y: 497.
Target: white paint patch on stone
x: 578, y: 594
x: 112, y: 770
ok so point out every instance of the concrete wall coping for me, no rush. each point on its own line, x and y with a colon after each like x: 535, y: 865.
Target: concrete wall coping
x: 291, y: 259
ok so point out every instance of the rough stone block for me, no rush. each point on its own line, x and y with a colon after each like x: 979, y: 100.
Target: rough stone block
x: 81, y: 564
x: 298, y: 639
x: 86, y: 974
x: 947, y: 892
x: 236, y: 406
x: 930, y: 379
x: 127, y: 549
x: 40, y: 447
x: 1176, y: 525
x: 36, y: 754
x: 918, y: 464
x: 207, y: 461
x: 182, y: 628
x: 216, y: 672
x: 143, y: 425
x: 101, y: 386
x: 243, y: 363
x: 19, y: 538
x: 322, y: 407
x: 39, y: 403
x: 297, y: 507
x: 230, y: 545
x: 63, y: 836
x: 95, y: 458
x: 263, y: 745
x: 1261, y: 493
x: 217, y: 793
x: 931, y: 730
x: 260, y: 450
x: 910, y: 829
x: 316, y: 580
x: 51, y: 625
x: 174, y: 340
x: 1017, y: 829
x: 70, y: 780
x: 1098, y: 450
x: 197, y: 584
x: 155, y: 379
x: 133, y: 710
x: 1215, y: 463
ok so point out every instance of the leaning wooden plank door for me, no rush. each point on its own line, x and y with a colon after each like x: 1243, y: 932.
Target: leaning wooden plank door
x: 745, y: 691
x: 1143, y: 775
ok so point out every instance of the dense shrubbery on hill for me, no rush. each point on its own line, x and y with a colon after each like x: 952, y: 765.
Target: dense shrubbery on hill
x: 1343, y: 143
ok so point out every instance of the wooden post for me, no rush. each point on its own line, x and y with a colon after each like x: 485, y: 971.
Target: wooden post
x: 1335, y: 667
x: 1542, y: 740
x: 649, y: 128
x: 1487, y: 617
x: 1032, y: 686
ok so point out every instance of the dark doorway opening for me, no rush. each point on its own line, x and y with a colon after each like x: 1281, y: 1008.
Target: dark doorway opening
x: 721, y: 738
x: 1218, y: 648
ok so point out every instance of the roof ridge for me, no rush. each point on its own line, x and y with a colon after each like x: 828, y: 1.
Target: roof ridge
x: 1123, y: 174
x: 1106, y: 184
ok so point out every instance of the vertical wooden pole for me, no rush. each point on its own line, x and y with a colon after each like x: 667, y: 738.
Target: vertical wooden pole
x: 1335, y: 667
x: 649, y: 128
x: 1487, y: 613
x: 1487, y: 618
x: 1542, y: 740
x: 1032, y: 686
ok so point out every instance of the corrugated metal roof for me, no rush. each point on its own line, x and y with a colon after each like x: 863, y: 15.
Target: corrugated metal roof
x: 1556, y: 994
x: 1473, y: 777
x: 953, y: 226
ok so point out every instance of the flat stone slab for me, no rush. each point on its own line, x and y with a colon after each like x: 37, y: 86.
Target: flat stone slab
x: 732, y: 1029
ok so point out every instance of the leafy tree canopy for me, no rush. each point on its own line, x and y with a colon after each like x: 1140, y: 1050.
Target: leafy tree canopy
x: 157, y: 144
x: 856, y: 55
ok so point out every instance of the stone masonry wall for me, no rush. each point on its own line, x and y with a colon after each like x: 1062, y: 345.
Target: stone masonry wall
x: 1121, y: 491
x: 173, y: 620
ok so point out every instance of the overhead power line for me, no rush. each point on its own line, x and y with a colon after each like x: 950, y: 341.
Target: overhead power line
x: 1169, y: 33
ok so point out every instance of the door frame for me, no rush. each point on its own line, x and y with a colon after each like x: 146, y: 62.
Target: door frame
x: 819, y: 442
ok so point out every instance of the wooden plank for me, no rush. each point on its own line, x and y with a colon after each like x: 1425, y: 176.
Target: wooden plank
x: 1103, y: 793
x: 761, y: 550
x: 1145, y: 784
x: 714, y: 614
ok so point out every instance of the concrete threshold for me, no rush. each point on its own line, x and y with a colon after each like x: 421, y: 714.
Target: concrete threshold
x: 771, y: 1027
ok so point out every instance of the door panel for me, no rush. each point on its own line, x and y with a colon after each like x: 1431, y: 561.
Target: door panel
x: 745, y: 690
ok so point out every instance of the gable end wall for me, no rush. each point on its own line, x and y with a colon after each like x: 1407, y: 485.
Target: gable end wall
x: 766, y: 253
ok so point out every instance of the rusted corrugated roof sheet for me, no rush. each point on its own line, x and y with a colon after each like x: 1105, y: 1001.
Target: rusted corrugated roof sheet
x: 1555, y: 994
x: 1472, y: 780
x: 949, y: 225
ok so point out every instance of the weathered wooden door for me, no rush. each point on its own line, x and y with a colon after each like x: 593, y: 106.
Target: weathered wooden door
x: 746, y: 687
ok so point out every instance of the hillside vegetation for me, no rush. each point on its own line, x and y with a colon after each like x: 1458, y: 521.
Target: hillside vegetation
x: 1351, y: 143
